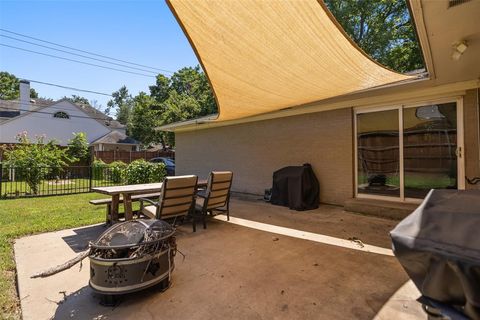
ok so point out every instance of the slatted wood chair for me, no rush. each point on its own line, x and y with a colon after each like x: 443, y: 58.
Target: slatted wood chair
x: 215, y: 198
x: 177, y: 199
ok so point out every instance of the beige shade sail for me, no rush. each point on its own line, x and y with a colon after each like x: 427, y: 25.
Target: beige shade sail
x: 266, y: 55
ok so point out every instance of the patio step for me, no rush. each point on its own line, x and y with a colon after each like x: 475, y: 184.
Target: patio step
x: 380, y: 208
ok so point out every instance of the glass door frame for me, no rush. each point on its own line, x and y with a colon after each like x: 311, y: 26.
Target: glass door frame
x: 400, y: 108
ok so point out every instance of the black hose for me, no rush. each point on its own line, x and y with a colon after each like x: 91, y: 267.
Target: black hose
x: 474, y: 180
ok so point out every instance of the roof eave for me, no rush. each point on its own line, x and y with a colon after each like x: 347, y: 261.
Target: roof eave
x: 413, y: 91
x: 205, y: 121
x: 187, y: 123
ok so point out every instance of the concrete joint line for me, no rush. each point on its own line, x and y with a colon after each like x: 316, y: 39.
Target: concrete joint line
x: 306, y: 235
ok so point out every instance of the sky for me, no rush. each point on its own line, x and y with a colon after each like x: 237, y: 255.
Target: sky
x: 143, y: 32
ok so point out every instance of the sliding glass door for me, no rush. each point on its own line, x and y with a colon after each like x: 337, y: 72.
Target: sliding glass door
x: 430, y: 146
x: 378, y: 153
x: 404, y: 151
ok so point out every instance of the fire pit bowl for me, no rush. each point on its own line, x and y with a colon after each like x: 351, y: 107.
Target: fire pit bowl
x: 132, y: 256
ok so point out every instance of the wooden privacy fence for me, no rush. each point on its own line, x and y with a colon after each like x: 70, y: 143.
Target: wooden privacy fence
x: 432, y: 150
x: 129, y: 156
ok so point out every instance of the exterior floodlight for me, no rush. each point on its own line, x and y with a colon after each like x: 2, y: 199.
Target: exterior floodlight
x: 458, y: 49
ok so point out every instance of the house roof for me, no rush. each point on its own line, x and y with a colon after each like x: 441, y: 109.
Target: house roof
x: 264, y: 56
x: 102, y: 117
x: 115, y: 137
x: 39, y: 104
x: 11, y: 109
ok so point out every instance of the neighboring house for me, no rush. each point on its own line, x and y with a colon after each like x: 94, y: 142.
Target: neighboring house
x: 59, y: 120
x: 288, y: 97
x: 115, y: 140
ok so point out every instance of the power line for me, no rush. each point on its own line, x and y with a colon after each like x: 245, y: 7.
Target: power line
x: 76, y: 54
x: 70, y: 88
x: 77, y: 61
x: 88, y: 52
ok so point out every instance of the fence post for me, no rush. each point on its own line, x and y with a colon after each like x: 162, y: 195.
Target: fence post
x: 90, y: 176
x: 1, y: 177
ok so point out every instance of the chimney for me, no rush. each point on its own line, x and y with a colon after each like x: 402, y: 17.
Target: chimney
x: 25, y: 104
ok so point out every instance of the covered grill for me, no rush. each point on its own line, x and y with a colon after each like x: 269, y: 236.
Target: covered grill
x: 438, y: 245
x: 131, y: 256
x: 295, y: 187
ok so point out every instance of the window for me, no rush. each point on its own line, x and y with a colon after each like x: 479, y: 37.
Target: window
x: 378, y: 152
x: 404, y: 151
x: 61, y: 115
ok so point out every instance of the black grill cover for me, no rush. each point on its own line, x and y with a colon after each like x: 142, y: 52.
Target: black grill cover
x: 295, y: 187
x: 438, y: 245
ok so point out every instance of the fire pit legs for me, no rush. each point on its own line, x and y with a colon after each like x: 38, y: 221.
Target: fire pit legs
x: 109, y: 300
x: 164, y: 284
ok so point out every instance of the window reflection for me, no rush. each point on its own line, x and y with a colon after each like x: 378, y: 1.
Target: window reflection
x: 378, y: 153
x: 430, y: 142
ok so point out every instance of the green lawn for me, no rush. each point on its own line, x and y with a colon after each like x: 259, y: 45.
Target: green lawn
x: 50, y: 187
x: 416, y: 182
x: 20, y: 217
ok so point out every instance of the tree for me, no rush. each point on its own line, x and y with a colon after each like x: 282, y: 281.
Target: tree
x: 178, y: 107
x: 10, y: 87
x: 383, y: 29
x: 123, y: 103
x: 186, y: 95
x: 77, y: 99
x: 193, y: 82
x: 78, y: 146
x: 33, y: 93
x: 94, y: 103
x: 161, y: 89
x: 36, y: 160
x: 145, y: 117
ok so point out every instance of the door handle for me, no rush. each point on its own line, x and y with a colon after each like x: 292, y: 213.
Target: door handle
x: 458, y: 152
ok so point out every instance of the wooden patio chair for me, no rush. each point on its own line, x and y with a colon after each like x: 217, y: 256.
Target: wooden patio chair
x: 177, y: 199
x: 215, y: 198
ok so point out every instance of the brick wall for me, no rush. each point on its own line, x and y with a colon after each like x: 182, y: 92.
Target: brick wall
x: 253, y: 151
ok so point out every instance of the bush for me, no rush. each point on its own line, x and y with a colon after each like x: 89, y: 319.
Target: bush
x: 98, y: 169
x: 116, y: 171
x: 141, y: 171
x: 36, y: 160
x: 157, y: 172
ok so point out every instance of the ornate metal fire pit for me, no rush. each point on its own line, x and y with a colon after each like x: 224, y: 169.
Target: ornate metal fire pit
x: 132, y: 256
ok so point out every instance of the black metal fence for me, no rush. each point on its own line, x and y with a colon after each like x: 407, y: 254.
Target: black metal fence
x: 47, y: 181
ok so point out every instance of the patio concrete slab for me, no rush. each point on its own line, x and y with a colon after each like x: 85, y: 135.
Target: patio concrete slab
x: 327, y: 219
x: 229, y: 272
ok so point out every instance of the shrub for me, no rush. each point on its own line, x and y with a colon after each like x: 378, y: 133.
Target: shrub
x: 36, y: 160
x: 157, y: 172
x: 116, y: 171
x: 98, y: 169
x: 141, y: 171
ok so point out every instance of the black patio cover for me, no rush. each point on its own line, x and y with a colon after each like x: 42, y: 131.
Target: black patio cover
x: 296, y: 187
x: 438, y: 245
